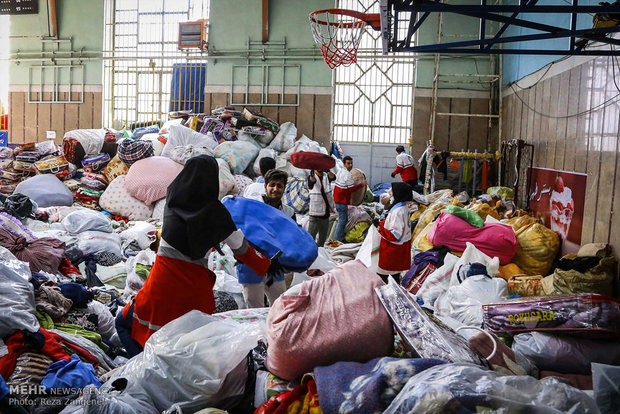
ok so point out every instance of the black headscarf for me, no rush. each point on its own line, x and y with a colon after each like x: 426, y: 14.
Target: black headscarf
x: 402, y: 192
x: 194, y: 218
x: 265, y: 164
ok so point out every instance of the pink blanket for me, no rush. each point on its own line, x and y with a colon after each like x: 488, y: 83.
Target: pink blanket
x: 492, y: 239
x: 335, y: 317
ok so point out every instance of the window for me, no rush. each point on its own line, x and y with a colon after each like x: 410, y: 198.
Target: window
x: 373, y: 97
x: 141, y: 54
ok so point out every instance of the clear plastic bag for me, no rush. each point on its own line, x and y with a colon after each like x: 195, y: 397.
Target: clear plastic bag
x: 605, y: 379
x: 84, y: 220
x: 422, y: 334
x: 563, y: 353
x: 470, y: 388
x: 196, y: 357
x: 17, y: 306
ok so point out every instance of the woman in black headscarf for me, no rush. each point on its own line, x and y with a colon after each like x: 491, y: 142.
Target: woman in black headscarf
x: 195, y: 222
x: 395, y: 247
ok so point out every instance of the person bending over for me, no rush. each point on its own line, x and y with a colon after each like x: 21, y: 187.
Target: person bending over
x: 194, y: 223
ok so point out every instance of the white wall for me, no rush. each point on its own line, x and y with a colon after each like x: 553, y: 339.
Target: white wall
x: 377, y: 161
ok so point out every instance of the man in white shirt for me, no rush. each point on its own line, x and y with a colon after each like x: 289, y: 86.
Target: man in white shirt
x: 257, y: 190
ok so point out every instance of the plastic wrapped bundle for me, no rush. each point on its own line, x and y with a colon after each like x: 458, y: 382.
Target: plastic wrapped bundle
x: 588, y: 315
x: 465, y: 388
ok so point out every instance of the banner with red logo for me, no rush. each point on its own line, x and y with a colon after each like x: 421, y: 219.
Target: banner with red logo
x: 559, y: 196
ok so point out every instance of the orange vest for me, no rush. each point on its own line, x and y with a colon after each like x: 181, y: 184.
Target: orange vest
x: 173, y: 288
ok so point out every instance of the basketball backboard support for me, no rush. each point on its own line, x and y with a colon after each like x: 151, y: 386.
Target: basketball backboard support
x: 607, y: 22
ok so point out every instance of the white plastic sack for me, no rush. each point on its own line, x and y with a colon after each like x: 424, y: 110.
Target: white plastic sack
x: 436, y: 284
x: 473, y: 255
x: 196, y: 357
x: 91, y: 139
x: 464, y: 302
x: 229, y: 284
x: 106, y: 324
x: 369, y: 252
x: 323, y: 263
x: 285, y: 139
x: 263, y: 153
x: 238, y: 154
x: 180, y: 136
x: 181, y: 154
x: 114, y: 275
x: 165, y: 128
x: 97, y: 242
x: 141, y: 233
x: 224, y: 263
x: 85, y: 220
x: 17, y: 296
x: 227, y: 180
x: 565, y: 353
x: 134, y: 281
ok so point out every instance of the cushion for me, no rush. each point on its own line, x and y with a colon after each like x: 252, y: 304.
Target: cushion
x: 242, y: 182
x: 329, y: 319
x: 117, y: 200
x: 238, y: 154
x: 130, y: 150
x: 46, y: 190
x: 180, y: 136
x: 115, y: 168
x: 148, y: 179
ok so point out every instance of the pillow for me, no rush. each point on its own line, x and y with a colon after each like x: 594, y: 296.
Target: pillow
x: 148, y: 179
x: 180, y: 136
x: 117, y: 200
x: 46, y: 190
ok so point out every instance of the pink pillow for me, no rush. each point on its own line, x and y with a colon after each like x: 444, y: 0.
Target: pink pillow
x: 334, y: 317
x: 149, y: 178
x: 492, y: 239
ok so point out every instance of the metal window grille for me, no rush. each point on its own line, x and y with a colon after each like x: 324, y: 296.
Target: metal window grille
x: 142, y: 39
x: 373, y: 98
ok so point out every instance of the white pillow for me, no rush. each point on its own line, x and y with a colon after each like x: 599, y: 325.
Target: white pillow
x: 181, y: 136
x: 117, y: 200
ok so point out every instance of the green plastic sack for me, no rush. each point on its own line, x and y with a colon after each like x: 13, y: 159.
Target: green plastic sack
x: 356, y: 234
x: 507, y: 193
x: 469, y: 216
x: 369, y: 196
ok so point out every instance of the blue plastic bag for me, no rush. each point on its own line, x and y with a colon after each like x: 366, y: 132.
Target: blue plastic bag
x: 269, y: 230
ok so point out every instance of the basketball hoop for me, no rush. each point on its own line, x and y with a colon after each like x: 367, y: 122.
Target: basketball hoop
x: 337, y: 32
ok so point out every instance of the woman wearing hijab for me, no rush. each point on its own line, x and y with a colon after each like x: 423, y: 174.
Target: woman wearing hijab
x: 180, y: 281
x: 395, y: 247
